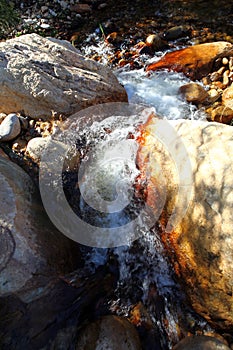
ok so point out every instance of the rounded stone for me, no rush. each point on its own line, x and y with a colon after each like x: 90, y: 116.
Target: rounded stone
x: 10, y: 128
x: 110, y: 332
x: 200, y: 342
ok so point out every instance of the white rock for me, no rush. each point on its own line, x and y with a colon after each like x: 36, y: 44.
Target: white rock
x: 36, y: 146
x: 10, y: 128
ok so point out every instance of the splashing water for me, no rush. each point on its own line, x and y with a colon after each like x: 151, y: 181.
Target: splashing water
x: 160, y: 90
x: 145, y: 274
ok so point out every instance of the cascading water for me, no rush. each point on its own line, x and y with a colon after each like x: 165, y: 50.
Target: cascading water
x: 106, y: 143
x: 160, y: 90
x: 107, y: 147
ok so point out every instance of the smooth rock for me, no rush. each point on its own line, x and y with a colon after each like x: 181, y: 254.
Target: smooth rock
x: 194, y: 93
x: 177, y: 32
x: 110, y: 332
x: 200, y: 342
x: 36, y: 146
x: 194, y: 61
x: 32, y: 251
x: 155, y: 42
x: 227, y: 97
x: 45, y: 75
x: 10, y: 128
x: 190, y: 175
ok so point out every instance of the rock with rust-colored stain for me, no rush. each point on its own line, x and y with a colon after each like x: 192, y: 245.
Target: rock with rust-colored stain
x: 194, y: 61
x: 188, y: 165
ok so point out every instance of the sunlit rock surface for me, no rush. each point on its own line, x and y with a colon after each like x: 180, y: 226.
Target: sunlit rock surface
x: 189, y: 163
x: 40, y: 75
x: 194, y: 61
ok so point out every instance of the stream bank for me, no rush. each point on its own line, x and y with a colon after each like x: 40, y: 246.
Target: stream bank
x: 147, y: 292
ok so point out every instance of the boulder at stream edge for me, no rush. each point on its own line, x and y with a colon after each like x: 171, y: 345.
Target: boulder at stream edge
x: 39, y: 76
x: 194, y: 61
x: 32, y: 251
x: 192, y: 167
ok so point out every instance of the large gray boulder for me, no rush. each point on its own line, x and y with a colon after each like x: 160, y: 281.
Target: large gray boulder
x: 32, y: 251
x: 40, y: 75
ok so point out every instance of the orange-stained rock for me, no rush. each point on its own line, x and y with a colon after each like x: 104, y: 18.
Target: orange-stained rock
x: 194, y: 61
x: 189, y: 163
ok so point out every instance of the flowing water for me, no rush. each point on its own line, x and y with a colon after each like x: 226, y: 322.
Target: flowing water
x: 146, y: 279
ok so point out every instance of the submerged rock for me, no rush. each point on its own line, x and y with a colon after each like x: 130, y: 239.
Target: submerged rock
x: 190, y: 171
x: 46, y: 75
x: 194, y: 61
x: 110, y: 332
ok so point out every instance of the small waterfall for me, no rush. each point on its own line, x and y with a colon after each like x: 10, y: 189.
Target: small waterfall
x: 145, y: 275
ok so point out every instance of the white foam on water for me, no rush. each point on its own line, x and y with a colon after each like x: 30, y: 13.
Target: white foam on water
x: 160, y: 90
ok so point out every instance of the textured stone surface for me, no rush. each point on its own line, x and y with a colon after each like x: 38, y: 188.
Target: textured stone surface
x: 31, y: 249
x: 194, y: 61
x: 39, y: 75
x: 197, y: 218
x: 110, y: 332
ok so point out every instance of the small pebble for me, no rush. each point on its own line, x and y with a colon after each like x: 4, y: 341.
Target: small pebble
x: 24, y: 122
x: 44, y: 8
x: 226, y: 77
x: 102, y: 6
x: 10, y: 128
x: 231, y: 63
x: 225, y: 61
x: 44, y: 25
